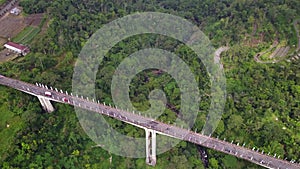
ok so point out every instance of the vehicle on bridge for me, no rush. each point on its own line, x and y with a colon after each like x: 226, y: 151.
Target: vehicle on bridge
x: 65, y: 99
x: 48, y: 94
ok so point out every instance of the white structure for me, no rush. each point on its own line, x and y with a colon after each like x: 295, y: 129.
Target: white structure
x: 150, y: 147
x: 15, y: 11
x: 46, y: 104
x: 21, y: 49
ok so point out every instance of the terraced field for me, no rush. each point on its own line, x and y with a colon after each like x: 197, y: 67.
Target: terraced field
x: 278, y: 51
x: 297, y: 28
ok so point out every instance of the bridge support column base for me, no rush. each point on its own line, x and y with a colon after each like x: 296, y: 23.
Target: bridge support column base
x: 150, y: 147
x: 46, y: 104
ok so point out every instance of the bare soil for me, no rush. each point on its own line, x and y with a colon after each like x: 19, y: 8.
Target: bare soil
x: 11, y: 25
x: 6, y: 55
x: 2, y: 41
x: 34, y: 19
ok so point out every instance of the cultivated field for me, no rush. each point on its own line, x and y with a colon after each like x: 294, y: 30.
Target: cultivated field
x: 11, y: 25
x: 2, y: 41
x: 297, y: 28
x: 34, y: 19
x: 26, y: 35
x: 20, y: 28
x: 280, y: 52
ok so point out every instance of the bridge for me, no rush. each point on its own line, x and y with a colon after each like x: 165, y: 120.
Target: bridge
x: 151, y: 126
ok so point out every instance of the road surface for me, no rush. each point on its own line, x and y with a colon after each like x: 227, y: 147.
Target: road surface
x: 253, y: 156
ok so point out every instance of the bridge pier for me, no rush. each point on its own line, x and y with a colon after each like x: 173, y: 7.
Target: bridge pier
x: 150, y: 147
x: 46, y: 104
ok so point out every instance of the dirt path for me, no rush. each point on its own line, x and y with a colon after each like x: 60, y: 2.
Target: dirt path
x: 218, y: 52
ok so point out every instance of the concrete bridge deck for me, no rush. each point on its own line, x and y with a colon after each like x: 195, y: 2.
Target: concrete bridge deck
x: 242, y: 152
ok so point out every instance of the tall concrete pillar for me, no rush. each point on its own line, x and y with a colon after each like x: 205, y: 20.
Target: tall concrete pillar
x: 150, y: 147
x: 46, y: 104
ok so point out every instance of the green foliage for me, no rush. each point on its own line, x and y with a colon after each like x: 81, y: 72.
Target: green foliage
x: 34, y: 6
x: 213, y: 163
x: 229, y: 162
x: 2, y: 2
x: 262, y: 106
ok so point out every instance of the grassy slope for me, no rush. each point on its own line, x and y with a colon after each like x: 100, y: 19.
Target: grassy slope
x: 7, y: 134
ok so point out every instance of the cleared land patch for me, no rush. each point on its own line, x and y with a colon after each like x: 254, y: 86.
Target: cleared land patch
x: 11, y: 26
x: 19, y: 29
x: 278, y: 52
x: 2, y: 41
x: 296, y: 56
x: 34, y: 19
x: 6, y: 55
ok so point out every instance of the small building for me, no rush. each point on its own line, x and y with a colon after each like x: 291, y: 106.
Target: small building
x: 15, y: 11
x: 18, y: 48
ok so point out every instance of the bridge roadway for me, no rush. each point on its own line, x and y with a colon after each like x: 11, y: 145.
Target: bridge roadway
x: 242, y: 152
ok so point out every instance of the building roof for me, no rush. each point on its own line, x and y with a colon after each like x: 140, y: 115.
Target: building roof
x: 15, y: 45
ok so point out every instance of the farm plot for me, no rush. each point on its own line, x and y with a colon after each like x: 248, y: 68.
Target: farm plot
x: 34, y: 19
x: 10, y: 26
x: 21, y: 29
x: 297, y: 28
x: 280, y: 52
x: 2, y: 41
x: 26, y: 35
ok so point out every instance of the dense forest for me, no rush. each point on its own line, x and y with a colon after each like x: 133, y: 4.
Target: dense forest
x: 262, y: 105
